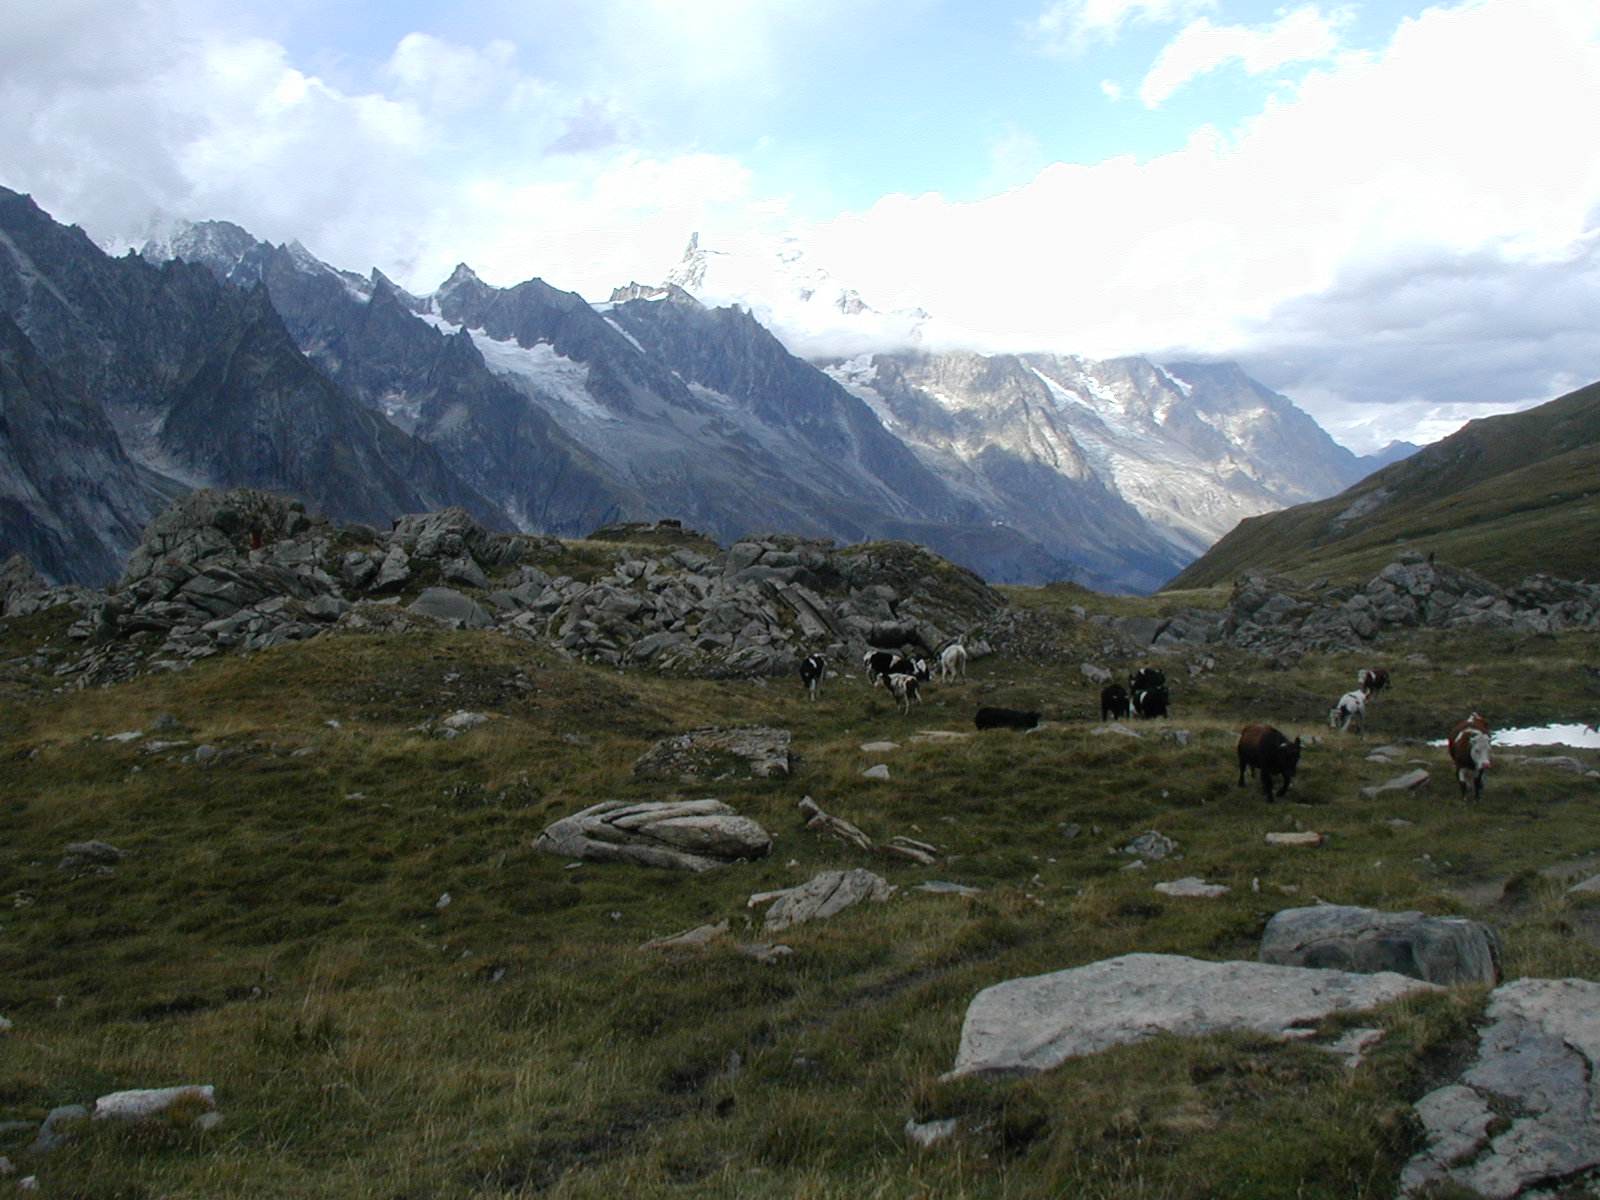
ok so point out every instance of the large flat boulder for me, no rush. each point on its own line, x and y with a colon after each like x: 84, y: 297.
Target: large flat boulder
x: 1036, y: 1023
x: 682, y: 835
x: 1444, y: 950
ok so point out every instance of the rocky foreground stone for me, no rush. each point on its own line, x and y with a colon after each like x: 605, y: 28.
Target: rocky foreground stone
x: 1033, y: 1024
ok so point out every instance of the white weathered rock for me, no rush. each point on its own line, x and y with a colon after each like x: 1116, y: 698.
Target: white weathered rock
x: 879, y: 747
x: 1152, y: 845
x: 823, y: 896
x: 1036, y: 1023
x: 1302, y: 837
x: 877, y: 771
x: 1409, y: 782
x: 140, y: 1104
x: 1192, y: 886
x: 684, y: 835
x: 700, y: 935
x: 927, y: 1133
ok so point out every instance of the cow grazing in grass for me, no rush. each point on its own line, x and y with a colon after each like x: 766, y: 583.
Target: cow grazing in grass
x: 1372, y: 680
x: 952, y: 659
x: 1469, y: 753
x: 1350, y: 710
x: 906, y: 690
x: 1114, y: 703
x: 812, y: 669
x: 881, y: 664
x: 1262, y: 748
x: 1147, y: 692
x: 1005, y: 718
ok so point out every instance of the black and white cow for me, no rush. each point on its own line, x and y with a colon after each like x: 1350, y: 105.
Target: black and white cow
x: 1372, y: 680
x: 1147, y: 691
x: 881, y: 664
x: 1350, y: 710
x: 813, y: 667
x: 906, y: 690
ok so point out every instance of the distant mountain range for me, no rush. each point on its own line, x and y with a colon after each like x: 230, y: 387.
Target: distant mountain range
x: 1508, y: 496
x: 217, y: 359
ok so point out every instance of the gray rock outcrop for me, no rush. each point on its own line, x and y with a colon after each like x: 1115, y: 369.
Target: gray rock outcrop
x: 747, y: 750
x: 1036, y: 1023
x: 246, y: 569
x: 1275, y: 615
x: 681, y: 835
x: 1525, y: 1117
x: 1443, y: 950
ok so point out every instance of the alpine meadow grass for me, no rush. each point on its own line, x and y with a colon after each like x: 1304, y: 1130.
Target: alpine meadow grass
x: 336, y: 916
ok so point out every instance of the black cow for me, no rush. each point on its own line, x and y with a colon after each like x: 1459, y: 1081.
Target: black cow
x: 1005, y: 718
x: 1262, y: 748
x: 1114, y: 702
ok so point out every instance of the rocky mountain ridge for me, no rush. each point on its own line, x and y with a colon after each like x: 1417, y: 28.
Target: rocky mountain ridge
x: 736, y: 423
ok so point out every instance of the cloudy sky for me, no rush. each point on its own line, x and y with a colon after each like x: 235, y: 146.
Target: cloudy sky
x: 1388, y: 211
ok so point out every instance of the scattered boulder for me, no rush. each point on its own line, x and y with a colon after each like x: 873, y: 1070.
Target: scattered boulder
x: 1151, y: 845
x: 93, y: 853
x: 682, y: 835
x: 699, y: 936
x: 143, y: 1104
x: 1409, y: 782
x: 710, y: 753
x: 823, y: 896
x: 1301, y: 837
x: 59, y: 1124
x: 1033, y: 1024
x: 1193, y: 886
x: 1442, y: 950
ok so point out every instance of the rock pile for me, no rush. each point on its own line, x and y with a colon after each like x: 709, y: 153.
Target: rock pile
x: 246, y: 569
x: 1273, y: 615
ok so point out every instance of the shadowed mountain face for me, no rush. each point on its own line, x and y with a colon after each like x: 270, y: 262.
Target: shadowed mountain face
x: 202, y: 384
x: 221, y: 361
x: 70, y: 499
x: 1507, y: 496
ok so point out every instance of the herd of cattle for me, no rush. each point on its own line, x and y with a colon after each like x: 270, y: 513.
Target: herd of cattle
x: 1262, y: 749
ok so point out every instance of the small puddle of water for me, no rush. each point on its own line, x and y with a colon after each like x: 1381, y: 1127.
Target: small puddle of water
x: 1582, y: 736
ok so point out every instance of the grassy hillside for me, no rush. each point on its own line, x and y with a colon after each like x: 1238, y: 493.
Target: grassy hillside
x: 1506, y: 496
x: 280, y: 927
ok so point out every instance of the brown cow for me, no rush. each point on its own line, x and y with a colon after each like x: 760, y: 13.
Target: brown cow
x: 1262, y: 748
x: 1469, y: 753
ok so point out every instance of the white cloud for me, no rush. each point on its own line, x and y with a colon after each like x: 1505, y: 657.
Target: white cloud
x: 1301, y: 36
x: 1468, y: 141
x: 1071, y: 26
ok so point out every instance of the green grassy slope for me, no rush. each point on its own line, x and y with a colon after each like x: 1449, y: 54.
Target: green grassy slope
x: 1506, y: 496
x: 278, y: 927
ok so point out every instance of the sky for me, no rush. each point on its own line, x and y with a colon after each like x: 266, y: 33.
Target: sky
x: 1388, y: 211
